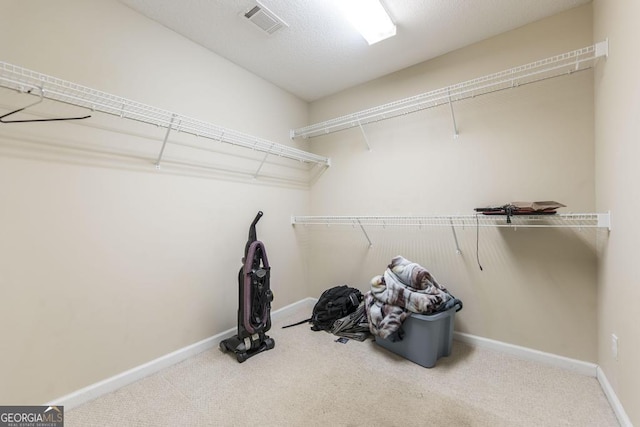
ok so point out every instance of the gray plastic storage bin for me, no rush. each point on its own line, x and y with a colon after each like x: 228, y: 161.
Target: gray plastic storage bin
x: 426, y: 338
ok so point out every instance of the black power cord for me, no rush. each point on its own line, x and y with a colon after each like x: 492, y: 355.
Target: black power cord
x: 478, y: 241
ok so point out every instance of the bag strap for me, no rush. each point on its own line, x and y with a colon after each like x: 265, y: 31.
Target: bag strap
x: 298, y: 323
x: 355, y: 298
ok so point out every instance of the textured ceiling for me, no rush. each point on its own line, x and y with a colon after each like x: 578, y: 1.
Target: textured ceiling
x: 319, y: 53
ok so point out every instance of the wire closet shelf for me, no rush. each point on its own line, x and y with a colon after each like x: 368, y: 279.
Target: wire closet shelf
x: 48, y: 87
x: 556, y: 66
x: 570, y: 220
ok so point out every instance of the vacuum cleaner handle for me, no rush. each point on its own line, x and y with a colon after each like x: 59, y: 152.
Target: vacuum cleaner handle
x: 252, y: 230
x: 257, y: 218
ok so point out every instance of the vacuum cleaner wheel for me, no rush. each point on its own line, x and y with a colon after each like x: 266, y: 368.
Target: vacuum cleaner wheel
x: 270, y: 343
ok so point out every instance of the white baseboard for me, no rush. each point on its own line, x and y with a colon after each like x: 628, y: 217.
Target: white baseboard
x: 584, y: 368
x: 622, y: 416
x: 109, y: 385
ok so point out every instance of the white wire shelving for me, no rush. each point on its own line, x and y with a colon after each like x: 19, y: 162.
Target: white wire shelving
x: 556, y: 66
x: 47, y: 87
x: 569, y: 220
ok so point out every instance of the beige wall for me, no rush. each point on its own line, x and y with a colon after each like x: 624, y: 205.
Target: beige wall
x: 617, y: 132
x: 105, y: 262
x: 538, y: 287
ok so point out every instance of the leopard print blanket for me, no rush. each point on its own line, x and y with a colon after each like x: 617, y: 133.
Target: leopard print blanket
x: 405, y: 288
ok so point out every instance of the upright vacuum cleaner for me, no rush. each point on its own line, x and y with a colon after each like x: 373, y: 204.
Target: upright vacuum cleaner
x: 254, y: 310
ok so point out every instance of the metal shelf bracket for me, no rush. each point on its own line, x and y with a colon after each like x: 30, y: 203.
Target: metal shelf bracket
x: 604, y: 220
x: 364, y: 135
x: 365, y: 234
x: 164, y: 142
x: 453, y: 117
x: 455, y: 238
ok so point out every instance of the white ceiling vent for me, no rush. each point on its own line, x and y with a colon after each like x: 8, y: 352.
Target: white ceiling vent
x: 264, y: 19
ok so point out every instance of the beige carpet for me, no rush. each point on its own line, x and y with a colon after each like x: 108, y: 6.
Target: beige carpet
x: 308, y: 379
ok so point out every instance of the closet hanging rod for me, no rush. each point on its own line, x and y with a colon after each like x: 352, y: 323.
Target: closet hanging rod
x: 570, y: 220
x: 556, y: 66
x: 28, y: 81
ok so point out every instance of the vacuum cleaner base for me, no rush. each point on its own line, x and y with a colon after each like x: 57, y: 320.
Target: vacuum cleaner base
x: 248, y: 347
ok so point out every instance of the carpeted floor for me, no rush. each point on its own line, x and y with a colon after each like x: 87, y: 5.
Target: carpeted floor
x: 309, y: 379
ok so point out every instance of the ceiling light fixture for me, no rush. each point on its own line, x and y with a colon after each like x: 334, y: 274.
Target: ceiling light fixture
x: 370, y: 18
